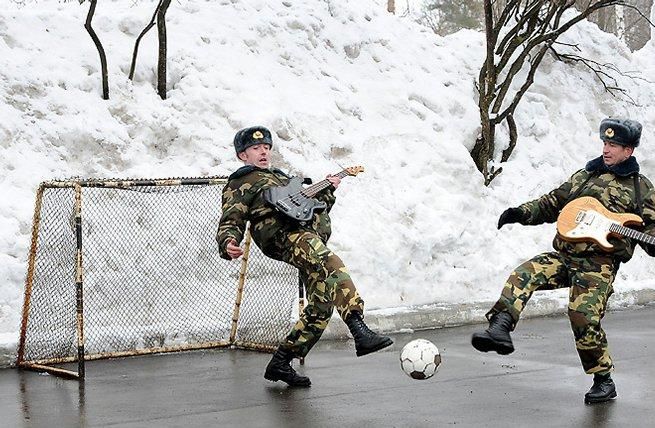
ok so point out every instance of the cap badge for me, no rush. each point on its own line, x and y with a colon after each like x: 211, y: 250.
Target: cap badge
x: 609, y: 132
x: 258, y: 135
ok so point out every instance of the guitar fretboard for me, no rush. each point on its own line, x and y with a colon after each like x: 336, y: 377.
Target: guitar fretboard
x: 631, y: 233
x: 323, y: 184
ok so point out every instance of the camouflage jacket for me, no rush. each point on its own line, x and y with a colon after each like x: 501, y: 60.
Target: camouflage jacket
x: 614, y: 187
x: 243, y: 201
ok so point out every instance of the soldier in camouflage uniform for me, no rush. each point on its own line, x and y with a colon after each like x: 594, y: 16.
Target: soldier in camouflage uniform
x: 584, y: 267
x: 327, y: 280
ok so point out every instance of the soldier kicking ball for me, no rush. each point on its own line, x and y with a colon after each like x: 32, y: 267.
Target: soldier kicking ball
x: 301, y: 244
x: 588, y: 267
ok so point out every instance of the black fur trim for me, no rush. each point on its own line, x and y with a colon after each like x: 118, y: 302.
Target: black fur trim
x: 624, y: 169
x: 247, y: 169
x: 244, y: 170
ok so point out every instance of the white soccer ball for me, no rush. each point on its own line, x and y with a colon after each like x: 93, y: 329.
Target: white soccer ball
x: 420, y: 359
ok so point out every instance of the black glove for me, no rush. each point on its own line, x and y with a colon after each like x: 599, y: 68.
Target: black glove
x: 649, y: 249
x: 511, y: 215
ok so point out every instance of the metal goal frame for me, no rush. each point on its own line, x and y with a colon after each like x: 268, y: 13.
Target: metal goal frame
x: 77, y: 222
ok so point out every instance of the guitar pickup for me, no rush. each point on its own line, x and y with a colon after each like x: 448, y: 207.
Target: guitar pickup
x: 283, y: 206
x: 580, y: 217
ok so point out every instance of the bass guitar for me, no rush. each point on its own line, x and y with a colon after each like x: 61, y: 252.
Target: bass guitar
x: 586, y: 219
x: 297, y: 201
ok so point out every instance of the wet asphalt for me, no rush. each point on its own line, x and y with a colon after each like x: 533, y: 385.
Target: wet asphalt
x: 540, y: 384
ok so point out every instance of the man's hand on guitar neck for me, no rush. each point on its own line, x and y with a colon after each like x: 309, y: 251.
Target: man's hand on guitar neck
x: 334, y: 181
x: 233, y: 250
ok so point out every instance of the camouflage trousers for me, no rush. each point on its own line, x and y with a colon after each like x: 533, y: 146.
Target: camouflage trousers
x: 590, y: 284
x: 328, y: 286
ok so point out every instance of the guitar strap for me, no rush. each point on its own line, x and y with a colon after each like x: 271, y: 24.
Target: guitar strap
x: 635, y: 176
x: 580, y: 188
x: 640, y: 202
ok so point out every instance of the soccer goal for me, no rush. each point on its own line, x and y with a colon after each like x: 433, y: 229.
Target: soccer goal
x: 130, y: 267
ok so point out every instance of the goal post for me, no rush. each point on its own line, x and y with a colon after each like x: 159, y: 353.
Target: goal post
x: 131, y: 267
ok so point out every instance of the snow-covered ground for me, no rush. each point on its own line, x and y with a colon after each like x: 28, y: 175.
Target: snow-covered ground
x: 339, y: 83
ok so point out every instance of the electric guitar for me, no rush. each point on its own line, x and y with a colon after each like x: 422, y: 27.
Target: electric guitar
x: 297, y: 201
x: 585, y: 219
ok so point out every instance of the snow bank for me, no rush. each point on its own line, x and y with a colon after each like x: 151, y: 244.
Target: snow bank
x: 340, y: 83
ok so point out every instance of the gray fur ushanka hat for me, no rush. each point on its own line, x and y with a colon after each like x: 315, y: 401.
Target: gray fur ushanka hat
x: 625, y: 132
x: 251, y: 136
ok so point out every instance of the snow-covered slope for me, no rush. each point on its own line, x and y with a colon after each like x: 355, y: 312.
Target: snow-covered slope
x: 340, y: 83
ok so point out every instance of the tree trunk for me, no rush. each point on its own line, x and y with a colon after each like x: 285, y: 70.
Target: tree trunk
x: 482, y: 150
x: 161, y: 64
x: 484, y: 144
x: 138, y: 40
x: 101, y: 50
x: 620, y: 21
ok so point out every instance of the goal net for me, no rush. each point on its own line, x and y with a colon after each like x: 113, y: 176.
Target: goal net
x: 120, y: 268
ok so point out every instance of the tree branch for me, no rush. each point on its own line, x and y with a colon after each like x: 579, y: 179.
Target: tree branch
x: 535, y: 41
x: 513, y: 137
x: 635, y: 8
x: 612, y: 87
x: 514, y: 31
x: 534, y: 64
x: 138, y: 40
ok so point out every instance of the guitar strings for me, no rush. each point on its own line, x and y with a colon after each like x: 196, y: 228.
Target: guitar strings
x: 631, y: 233
x: 318, y: 186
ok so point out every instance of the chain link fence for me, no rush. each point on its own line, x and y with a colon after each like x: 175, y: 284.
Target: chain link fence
x: 151, y: 276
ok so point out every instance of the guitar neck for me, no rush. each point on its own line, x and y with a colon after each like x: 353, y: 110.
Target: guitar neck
x: 323, y: 184
x: 631, y: 233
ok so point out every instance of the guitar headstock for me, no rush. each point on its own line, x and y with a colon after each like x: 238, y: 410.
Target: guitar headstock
x: 354, y: 170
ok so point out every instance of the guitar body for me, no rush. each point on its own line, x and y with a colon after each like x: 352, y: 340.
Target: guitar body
x: 585, y: 219
x: 291, y: 200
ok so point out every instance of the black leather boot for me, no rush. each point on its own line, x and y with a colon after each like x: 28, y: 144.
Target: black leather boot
x: 602, y: 390
x: 279, y: 368
x: 496, y: 337
x: 365, y: 340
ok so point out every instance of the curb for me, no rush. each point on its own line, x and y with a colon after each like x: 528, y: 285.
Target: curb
x: 410, y: 319
x: 7, y: 356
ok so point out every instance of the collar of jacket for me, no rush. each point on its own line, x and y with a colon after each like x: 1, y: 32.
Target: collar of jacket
x: 624, y: 169
x: 247, y: 169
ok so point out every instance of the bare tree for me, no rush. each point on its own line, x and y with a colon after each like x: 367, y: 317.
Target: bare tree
x: 138, y: 39
x: 158, y: 17
x: 101, y: 50
x: 161, y: 32
x: 518, y: 37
